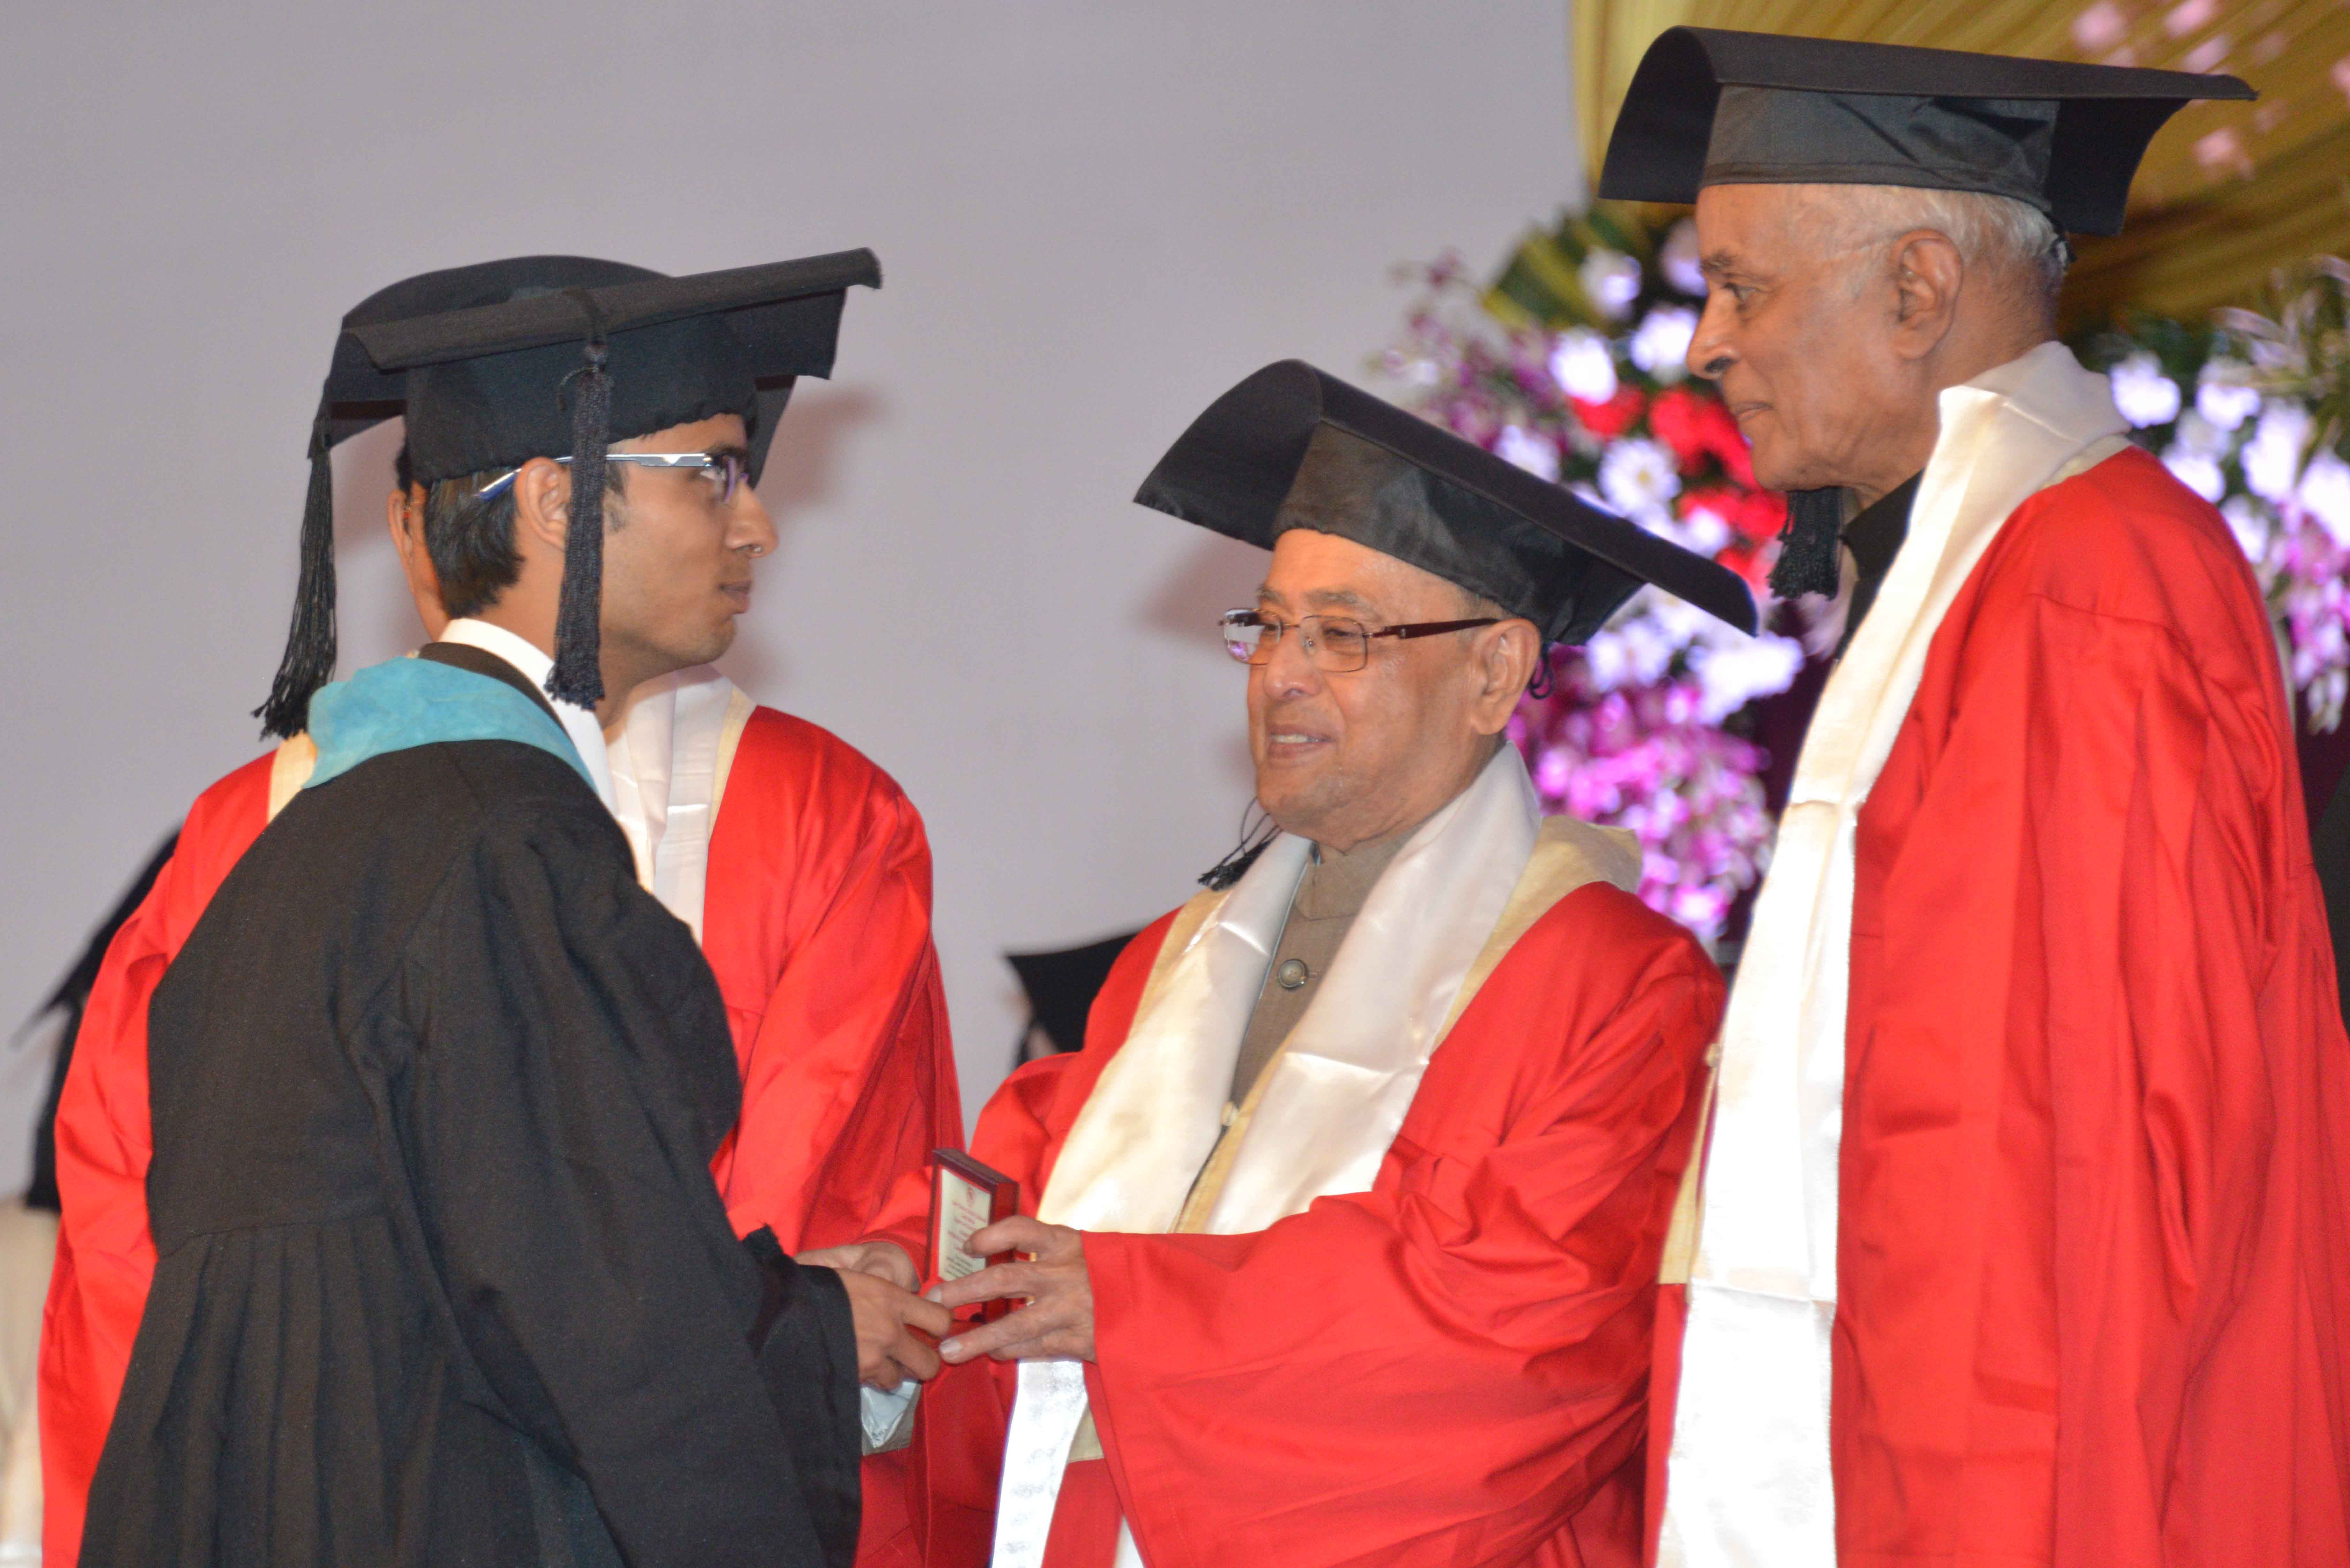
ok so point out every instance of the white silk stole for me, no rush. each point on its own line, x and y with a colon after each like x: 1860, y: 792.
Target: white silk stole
x: 1749, y: 1479
x: 1331, y: 1101
x: 670, y: 763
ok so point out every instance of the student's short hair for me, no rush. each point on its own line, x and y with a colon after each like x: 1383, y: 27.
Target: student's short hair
x: 471, y: 541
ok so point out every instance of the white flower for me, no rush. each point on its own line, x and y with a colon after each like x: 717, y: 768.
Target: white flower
x: 2200, y: 475
x: 1635, y: 649
x: 1611, y: 280
x: 1702, y: 529
x: 1648, y: 650
x: 1637, y: 474
x: 2271, y: 458
x: 1682, y: 625
x: 2324, y: 491
x: 1678, y: 259
x: 1529, y: 450
x: 2221, y: 395
x: 2249, y: 521
x: 1661, y: 347
x: 2142, y: 393
x: 1583, y: 365
x: 1606, y: 658
x: 1734, y: 672
x: 2199, y: 437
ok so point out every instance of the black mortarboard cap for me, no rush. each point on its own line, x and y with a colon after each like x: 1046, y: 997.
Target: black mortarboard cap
x: 1061, y: 986
x: 1709, y: 107
x: 498, y: 363
x: 1293, y: 447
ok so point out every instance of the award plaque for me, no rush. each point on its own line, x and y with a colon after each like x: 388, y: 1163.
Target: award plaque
x: 967, y: 1198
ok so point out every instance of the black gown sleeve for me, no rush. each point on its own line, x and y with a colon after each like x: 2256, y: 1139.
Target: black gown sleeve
x: 571, y: 1074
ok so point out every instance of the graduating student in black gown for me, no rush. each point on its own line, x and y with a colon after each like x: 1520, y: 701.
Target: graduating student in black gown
x: 442, y: 1277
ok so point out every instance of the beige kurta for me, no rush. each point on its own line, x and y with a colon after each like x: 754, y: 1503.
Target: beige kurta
x: 1329, y: 896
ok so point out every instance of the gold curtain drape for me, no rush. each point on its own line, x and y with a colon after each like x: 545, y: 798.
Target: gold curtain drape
x: 2228, y: 191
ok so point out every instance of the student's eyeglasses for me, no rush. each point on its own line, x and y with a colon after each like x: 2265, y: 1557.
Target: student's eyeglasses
x: 728, y: 468
x: 1337, y: 646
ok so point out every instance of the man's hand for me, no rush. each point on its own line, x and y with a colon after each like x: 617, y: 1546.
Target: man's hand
x: 1057, y: 1324
x: 891, y: 1326
x: 882, y: 1260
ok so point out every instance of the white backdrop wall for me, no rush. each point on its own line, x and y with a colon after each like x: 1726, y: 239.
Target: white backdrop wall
x: 1092, y: 216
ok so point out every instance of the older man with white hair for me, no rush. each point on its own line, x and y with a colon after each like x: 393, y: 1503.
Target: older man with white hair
x: 1346, y: 1219
x: 2021, y: 1236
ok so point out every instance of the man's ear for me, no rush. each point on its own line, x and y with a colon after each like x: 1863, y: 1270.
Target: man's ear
x: 404, y: 514
x: 542, y: 491
x: 1505, y: 662
x: 1926, y: 273
x: 404, y: 511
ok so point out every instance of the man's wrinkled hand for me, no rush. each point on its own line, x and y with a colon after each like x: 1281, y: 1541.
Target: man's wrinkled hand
x: 1056, y: 1323
x: 882, y: 1260
x: 896, y: 1330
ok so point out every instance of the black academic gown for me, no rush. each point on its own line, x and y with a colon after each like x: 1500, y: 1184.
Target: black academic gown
x: 442, y: 1274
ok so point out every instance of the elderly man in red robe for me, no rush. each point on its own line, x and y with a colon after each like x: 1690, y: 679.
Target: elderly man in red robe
x: 1346, y: 1222
x: 801, y: 866
x: 2023, y: 1233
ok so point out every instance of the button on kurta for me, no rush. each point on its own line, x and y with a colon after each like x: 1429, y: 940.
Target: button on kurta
x: 1292, y: 974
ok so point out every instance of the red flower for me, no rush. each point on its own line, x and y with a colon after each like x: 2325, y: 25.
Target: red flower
x: 1677, y: 418
x: 1753, y: 516
x: 1751, y: 562
x: 1728, y: 443
x: 1761, y: 515
x: 1613, y: 417
x: 1697, y: 425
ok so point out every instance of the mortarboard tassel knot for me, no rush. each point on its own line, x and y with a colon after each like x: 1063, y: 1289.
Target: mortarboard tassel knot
x: 1808, y: 559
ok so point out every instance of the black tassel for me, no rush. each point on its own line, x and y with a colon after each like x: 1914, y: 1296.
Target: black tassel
x: 1809, y: 561
x: 577, y: 677
x: 309, y: 660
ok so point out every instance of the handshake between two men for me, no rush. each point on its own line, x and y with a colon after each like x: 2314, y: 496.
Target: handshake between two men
x: 901, y: 1335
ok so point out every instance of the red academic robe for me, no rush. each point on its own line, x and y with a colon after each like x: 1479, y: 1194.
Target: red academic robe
x: 1448, y: 1369
x: 2093, y: 1247
x: 817, y: 923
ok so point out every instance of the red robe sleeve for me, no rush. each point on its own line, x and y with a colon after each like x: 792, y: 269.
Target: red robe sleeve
x: 1450, y: 1369
x: 959, y: 1445
x: 817, y: 921
x: 2093, y: 1249
x: 106, y: 1259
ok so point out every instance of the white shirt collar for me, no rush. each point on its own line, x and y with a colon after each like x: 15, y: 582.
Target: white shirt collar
x: 659, y: 776
x: 535, y: 666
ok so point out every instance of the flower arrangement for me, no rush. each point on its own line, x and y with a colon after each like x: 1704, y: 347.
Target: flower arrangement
x: 2252, y: 413
x: 1571, y: 367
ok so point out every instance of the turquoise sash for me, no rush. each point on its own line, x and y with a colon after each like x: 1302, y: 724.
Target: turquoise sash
x: 405, y: 702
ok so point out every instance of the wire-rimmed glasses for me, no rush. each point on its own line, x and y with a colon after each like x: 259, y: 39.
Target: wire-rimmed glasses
x: 1337, y: 644
x: 732, y: 468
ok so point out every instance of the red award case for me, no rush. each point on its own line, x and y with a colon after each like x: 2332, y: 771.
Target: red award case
x: 966, y: 1197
